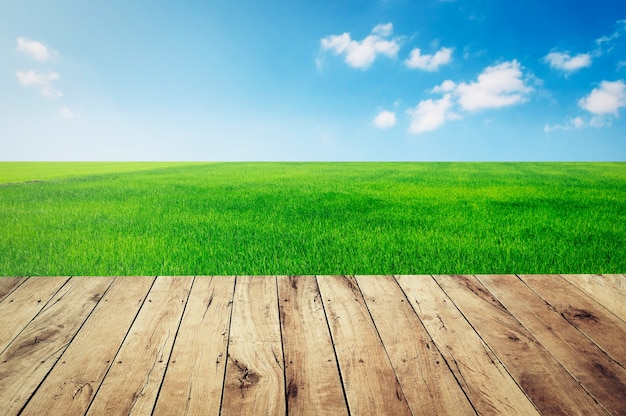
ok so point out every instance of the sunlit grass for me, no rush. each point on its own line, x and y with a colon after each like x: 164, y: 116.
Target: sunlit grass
x: 313, y: 218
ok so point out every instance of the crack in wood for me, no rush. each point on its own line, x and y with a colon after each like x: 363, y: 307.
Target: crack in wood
x: 208, y: 304
x: 80, y: 387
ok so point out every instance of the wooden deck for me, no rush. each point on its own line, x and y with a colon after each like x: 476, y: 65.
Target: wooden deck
x: 325, y: 345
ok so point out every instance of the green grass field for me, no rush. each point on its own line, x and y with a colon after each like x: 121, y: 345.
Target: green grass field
x: 311, y: 218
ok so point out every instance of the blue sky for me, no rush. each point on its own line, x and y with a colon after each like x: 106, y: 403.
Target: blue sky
x: 383, y: 80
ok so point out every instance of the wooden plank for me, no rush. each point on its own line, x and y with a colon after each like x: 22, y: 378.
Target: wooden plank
x: 254, y: 383
x: 132, y: 383
x: 24, y: 303
x: 195, y: 373
x: 369, y: 380
x: 550, y: 387
x: 488, y: 385
x: 31, y: 355
x: 9, y: 284
x: 608, y: 290
x: 602, y: 377
x: 591, y: 318
x: 72, y: 383
x: 428, y: 383
x: 311, y: 372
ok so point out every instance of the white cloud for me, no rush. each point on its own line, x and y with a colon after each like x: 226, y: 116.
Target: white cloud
x: 428, y: 62
x: 65, y: 112
x: 385, y: 120
x: 446, y: 86
x: 497, y: 86
x: 42, y: 79
x: 34, y: 49
x: 36, y: 78
x: 431, y: 114
x: 384, y: 30
x: 605, y: 100
x: 619, y: 31
x: 362, y: 54
x: 564, y: 62
x: 571, y: 124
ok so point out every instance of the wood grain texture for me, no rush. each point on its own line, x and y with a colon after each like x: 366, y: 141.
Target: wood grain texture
x: 254, y: 383
x: 32, y: 296
x: 9, y: 284
x: 608, y: 290
x: 132, y: 383
x: 72, y: 383
x: 595, y: 371
x: 428, y: 384
x: 311, y: 372
x: 591, y: 318
x: 551, y: 388
x: 370, y: 382
x: 488, y: 385
x: 31, y: 355
x: 195, y: 374
x: 357, y: 345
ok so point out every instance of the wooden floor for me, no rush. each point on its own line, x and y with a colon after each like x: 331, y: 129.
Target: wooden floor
x: 325, y: 345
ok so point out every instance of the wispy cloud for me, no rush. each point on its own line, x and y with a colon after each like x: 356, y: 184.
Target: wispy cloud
x: 428, y: 62
x: 362, y: 54
x: 41, y: 79
x: 607, y: 41
x: 66, y: 113
x: 564, y: 62
x: 571, y: 124
x: 385, y: 120
x: 35, y: 50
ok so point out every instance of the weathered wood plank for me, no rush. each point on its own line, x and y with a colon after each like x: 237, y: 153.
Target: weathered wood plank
x: 132, y: 383
x: 70, y: 386
x: 311, y: 372
x: 370, y: 382
x: 591, y: 318
x: 27, y: 360
x: 9, y: 284
x: 598, y: 374
x: 255, y: 383
x: 488, y: 385
x: 608, y: 290
x: 195, y: 373
x: 551, y: 388
x: 427, y: 382
x: 24, y: 303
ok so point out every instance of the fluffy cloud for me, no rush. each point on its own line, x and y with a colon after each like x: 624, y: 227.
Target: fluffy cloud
x: 497, y: 86
x: 41, y: 79
x: 603, y: 103
x: 564, y: 62
x: 361, y: 54
x: 34, y: 49
x: 428, y: 62
x: 446, y: 86
x: 385, y: 119
x: 431, y: 114
x: 605, y: 100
